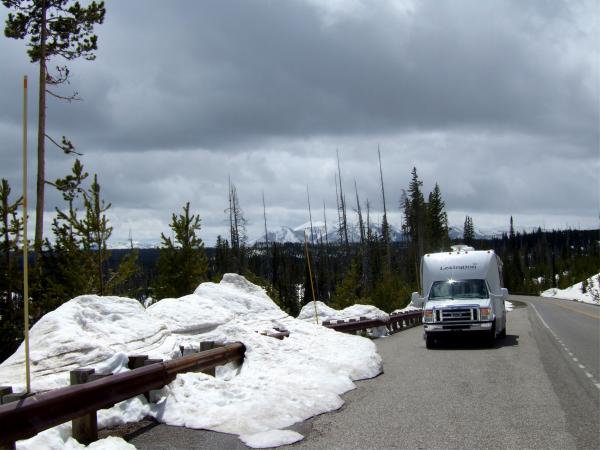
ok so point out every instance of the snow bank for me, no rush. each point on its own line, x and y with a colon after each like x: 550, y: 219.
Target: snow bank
x: 408, y: 308
x: 574, y: 292
x: 280, y: 382
x: 328, y: 313
x: 87, y: 331
x: 325, y: 312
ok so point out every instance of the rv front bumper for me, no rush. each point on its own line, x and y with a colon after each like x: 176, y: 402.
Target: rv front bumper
x: 457, y: 326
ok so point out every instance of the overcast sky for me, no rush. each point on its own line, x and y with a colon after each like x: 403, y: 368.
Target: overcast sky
x: 497, y: 101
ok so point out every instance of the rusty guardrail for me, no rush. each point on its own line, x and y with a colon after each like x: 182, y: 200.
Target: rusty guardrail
x: 25, y: 418
x: 394, y: 322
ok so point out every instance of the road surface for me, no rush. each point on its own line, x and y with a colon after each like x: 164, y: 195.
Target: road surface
x: 538, y: 388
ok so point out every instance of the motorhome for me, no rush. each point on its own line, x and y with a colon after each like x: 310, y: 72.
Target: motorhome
x: 462, y: 292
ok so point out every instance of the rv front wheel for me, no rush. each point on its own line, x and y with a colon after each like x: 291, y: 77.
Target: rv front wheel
x: 429, y: 341
x: 492, y: 336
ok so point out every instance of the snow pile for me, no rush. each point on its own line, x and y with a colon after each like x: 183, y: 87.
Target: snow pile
x: 408, y: 308
x: 592, y: 294
x: 279, y: 384
x: 87, y: 331
x: 325, y: 312
x: 351, y: 312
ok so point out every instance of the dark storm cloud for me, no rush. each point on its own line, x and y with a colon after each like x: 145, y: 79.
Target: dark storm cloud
x: 218, y: 74
x: 496, y: 101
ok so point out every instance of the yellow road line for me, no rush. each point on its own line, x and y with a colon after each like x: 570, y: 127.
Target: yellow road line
x: 593, y: 316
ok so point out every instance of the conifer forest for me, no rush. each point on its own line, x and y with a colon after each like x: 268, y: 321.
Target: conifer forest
x: 361, y: 264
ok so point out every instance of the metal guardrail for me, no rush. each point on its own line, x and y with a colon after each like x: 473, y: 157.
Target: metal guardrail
x: 25, y: 418
x: 394, y: 322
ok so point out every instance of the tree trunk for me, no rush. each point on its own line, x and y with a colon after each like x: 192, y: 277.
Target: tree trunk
x: 41, y: 172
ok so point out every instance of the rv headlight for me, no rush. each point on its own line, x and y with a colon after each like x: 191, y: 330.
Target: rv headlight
x: 428, y: 315
x: 485, y: 313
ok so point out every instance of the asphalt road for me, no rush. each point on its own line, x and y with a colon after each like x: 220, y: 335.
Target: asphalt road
x: 526, y: 392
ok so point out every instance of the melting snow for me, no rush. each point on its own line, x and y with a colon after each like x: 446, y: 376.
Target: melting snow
x: 592, y: 295
x: 279, y: 384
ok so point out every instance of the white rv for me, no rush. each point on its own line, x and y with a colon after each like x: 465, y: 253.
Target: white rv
x: 462, y: 292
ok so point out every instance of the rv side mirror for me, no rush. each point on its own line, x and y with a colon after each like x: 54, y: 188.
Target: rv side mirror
x: 416, y: 300
x: 504, y: 293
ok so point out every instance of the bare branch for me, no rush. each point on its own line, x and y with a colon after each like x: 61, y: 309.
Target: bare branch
x: 66, y: 146
x: 73, y: 97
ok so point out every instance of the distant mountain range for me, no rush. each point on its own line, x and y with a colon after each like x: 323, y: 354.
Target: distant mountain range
x: 296, y: 235
x: 283, y: 234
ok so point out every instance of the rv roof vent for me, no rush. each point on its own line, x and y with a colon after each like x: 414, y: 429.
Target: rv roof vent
x: 462, y: 248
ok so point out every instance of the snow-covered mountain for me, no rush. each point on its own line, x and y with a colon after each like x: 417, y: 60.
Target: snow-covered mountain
x: 288, y: 234
x: 456, y: 232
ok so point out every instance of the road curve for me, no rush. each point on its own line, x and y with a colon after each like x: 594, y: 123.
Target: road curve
x: 526, y: 392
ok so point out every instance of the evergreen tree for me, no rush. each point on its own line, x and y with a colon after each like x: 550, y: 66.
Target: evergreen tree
x: 182, y: 264
x: 348, y: 292
x: 10, y: 288
x: 55, y: 28
x: 77, y: 261
x: 10, y: 232
x: 468, y: 231
x: 437, y: 222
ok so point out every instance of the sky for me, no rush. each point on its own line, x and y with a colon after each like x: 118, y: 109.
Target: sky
x: 498, y: 102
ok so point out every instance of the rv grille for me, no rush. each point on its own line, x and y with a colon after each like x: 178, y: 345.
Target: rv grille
x: 456, y: 314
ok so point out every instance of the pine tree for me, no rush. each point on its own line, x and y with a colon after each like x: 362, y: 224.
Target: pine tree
x: 182, y: 263
x: 468, y: 231
x: 10, y: 234
x: 77, y: 261
x: 437, y: 222
x: 55, y: 28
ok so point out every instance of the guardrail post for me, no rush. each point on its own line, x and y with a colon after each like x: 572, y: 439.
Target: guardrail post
x: 15, y: 397
x: 208, y: 345
x: 148, y: 362
x: 85, y: 428
x: 4, y: 390
x: 136, y: 361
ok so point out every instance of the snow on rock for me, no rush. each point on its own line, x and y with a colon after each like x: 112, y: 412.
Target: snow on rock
x: 280, y: 382
x: 87, y: 331
x: 592, y: 294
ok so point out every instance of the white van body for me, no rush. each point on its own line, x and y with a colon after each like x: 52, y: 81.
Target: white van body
x: 462, y: 291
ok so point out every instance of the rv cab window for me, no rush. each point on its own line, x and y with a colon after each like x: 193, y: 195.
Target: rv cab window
x: 458, y: 289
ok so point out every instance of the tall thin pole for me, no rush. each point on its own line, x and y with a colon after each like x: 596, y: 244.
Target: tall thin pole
x: 265, y: 217
x: 25, y: 243
x: 312, y: 287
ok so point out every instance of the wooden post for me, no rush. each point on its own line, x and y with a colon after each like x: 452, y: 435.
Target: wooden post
x: 208, y: 345
x: 85, y: 429
x: 136, y: 361
x: 4, y: 390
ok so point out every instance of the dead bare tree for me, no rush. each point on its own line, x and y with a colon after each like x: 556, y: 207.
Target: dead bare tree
x: 385, y: 228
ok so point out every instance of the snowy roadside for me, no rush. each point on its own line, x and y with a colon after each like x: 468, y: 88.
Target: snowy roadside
x: 280, y: 382
x: 575, y: 292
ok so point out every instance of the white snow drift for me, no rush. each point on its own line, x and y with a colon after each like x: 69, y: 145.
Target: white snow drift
x: 279, y: 383
x: 592, y: 294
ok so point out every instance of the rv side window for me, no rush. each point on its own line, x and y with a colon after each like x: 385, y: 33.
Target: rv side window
x: 458, y: 289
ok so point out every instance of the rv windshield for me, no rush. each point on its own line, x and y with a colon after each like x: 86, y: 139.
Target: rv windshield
x: 458, y: 289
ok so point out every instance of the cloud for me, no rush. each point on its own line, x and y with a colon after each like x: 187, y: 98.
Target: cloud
x: 495, y: 101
